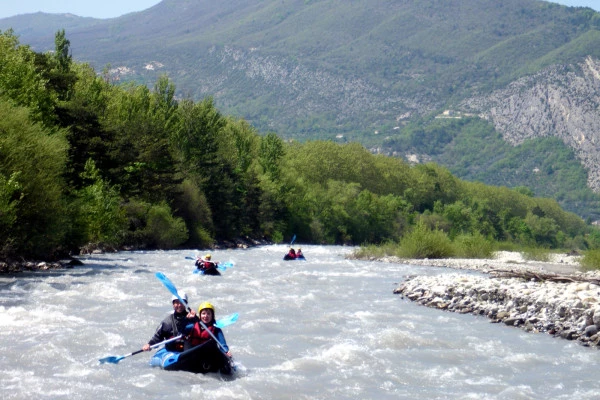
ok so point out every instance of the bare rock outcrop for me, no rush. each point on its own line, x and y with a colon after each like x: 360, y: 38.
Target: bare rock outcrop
x: 560, y: 101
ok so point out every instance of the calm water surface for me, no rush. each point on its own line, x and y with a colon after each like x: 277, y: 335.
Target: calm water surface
x: 325, y: 328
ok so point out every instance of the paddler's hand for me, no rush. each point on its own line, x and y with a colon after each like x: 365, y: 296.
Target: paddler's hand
x: 191, y: 314
x: 146, y: 347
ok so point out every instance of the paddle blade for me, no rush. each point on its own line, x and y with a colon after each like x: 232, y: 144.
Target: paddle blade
x: 190, y: 258
x: 226, y: 321
x: 293, y: 239
x: 224, y: 265
x: 111, y: 360
x: 167, y: 283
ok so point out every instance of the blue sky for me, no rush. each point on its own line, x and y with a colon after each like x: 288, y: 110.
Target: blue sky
x: 115, y: 8
x: 595, y: 4
x: 83, y: 8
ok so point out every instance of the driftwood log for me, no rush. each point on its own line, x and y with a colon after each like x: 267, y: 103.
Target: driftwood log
x: 542, y: 276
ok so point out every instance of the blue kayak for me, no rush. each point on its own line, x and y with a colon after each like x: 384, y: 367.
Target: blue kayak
x: 211, y: 271
x: 288, y: 258
x: 204, y: 358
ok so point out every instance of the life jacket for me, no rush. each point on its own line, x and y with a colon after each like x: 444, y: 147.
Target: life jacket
x: 209, y: 264
x: 199, y: 335
x: 205, y: 264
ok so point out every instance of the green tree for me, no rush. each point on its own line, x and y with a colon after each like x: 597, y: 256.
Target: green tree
x: 543, y: 229
x: 88, y: 135
x: 143, y: 123
x: 163, y: 230
x: 100, y: 217
x: 21, y: 81
x: 34, y: 160
x: 60, y: 77
x: 61, y: 50
x: 198, y: 149
x: 10, y: 197
x: 192, y: 206
x: 270, y: 155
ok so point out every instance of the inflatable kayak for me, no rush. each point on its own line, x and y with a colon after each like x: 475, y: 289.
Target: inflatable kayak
x: 204, y: 358
x: 210, y: 271
x: 288, y: 258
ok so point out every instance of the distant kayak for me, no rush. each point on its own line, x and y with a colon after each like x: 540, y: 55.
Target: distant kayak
x: 200, y: 359
x: 210, y: 271
x: 288, y: 258
x: 215, y: 268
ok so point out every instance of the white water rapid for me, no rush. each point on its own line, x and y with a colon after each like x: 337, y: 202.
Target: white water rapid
x: 325, y: 328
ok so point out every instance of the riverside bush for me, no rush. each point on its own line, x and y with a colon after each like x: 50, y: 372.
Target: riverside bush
x: 163, y: 229
x: 277, y: 237
x: 377, y: 251
x: 423, y: 242
x: 590, y: 260
x: 536, y: 254
x: 473, y: 246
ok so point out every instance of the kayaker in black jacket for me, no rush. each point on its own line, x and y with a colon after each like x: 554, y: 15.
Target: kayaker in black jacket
x: 173, y: 325
x: 206, y: 265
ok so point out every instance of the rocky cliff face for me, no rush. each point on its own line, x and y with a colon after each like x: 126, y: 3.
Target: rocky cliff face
x: 561, y: 101
x: 298, y: 90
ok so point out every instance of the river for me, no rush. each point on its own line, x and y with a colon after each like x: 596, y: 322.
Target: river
x: 324, y: 328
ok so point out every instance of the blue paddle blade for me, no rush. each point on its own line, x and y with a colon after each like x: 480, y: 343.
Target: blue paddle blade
x: 224, y: 265
x: 168, y: 284
x: 111, y: 359
x: 293, y: 239
x: 226, y: 321
x: 190, y: 258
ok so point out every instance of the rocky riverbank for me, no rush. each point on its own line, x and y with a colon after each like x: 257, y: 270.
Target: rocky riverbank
x: 15, y: 266
x: 553, y: 297
x: 12, y: 266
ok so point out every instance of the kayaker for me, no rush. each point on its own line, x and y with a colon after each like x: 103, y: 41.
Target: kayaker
x: 299, y: 253
x: 198, y: 335
x: 173, y: 325
x: 291, y: 255
x: 205, y: 263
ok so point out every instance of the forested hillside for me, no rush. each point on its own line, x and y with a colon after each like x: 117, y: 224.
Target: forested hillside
x: 370, y: 70
x: 86, y: 163
x: 324, y: 67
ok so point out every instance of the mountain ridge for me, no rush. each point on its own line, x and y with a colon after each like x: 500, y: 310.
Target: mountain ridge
x: 360, y: 70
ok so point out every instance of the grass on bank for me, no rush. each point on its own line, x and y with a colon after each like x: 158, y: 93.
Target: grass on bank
x: 423, y: 242
x: 590, y: 260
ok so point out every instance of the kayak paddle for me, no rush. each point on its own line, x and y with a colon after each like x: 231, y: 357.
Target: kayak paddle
x: 116, y: 359
x: 220, y: 323
x: 226, y: 321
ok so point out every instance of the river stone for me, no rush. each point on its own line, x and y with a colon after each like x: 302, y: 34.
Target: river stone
x: 591, y: 330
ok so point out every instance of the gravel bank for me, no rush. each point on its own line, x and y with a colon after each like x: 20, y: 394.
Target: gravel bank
x: 560, y: 299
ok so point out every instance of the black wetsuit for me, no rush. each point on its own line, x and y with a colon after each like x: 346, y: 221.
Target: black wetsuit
x: 173, y: 325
